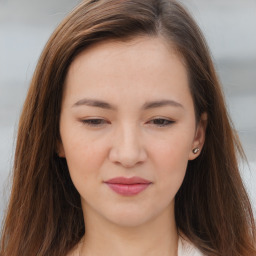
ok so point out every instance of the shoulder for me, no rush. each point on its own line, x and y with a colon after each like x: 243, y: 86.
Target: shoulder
x: 186, y: 248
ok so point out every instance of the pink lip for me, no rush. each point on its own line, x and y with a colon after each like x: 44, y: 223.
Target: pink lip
x: 128, y: 186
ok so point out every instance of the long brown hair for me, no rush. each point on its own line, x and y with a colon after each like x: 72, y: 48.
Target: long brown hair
x: 44, y: 216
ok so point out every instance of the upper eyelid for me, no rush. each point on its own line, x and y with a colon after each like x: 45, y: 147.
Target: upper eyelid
x: 164, y: 119
x: 87, y: 121
x: 161, y: 117
x: 103, y: 121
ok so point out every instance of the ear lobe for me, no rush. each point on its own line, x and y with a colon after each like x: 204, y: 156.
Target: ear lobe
x: 199, y: 138
x: 60, y: 150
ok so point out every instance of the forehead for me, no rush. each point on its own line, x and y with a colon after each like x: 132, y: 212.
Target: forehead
x: 145, y: 66
x: 148, y: 47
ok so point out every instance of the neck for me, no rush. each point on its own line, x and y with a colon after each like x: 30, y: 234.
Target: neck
x: 155, y: 237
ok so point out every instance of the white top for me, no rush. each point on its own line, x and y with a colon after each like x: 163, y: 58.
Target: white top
x: 185, y: 248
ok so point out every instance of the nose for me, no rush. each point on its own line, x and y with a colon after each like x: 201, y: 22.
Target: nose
x: 127, y: 147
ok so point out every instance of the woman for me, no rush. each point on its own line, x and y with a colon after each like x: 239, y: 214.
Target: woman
x: 125, y: 146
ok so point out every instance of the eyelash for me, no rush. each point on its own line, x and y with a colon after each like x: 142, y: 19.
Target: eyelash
x: 97, y: 122
x: 94, y: 122
x: 163, y: 122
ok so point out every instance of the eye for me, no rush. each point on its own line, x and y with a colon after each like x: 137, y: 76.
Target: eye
x: 95, y: 122
x: 161, y: 122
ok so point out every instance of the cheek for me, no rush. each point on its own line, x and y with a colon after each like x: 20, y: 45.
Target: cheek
x: 170, y: 159
x: 172, y: 163
x: 83, y: 156
x: 84, y: 163
x: 172, y: 151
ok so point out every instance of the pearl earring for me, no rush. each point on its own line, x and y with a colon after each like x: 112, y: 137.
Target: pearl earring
x: 195, y: 150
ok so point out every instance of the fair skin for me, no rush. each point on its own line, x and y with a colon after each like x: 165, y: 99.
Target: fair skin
x: 130, y: 137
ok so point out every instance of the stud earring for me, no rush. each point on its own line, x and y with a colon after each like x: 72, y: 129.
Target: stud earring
x: 195, y: 150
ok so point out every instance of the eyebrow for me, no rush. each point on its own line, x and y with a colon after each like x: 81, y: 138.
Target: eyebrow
x: 94, y: 103
x: 161, y: 103
x: 146, y: 106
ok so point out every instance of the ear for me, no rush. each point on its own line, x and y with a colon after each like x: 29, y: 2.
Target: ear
x: 60, y: 149
x: 199, y: 138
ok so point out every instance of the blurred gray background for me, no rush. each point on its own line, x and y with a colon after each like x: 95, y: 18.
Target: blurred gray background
x: 229, y: 27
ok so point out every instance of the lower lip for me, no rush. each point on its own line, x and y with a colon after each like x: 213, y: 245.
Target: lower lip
x: 128, y: 189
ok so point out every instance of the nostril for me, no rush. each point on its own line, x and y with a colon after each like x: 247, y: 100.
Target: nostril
x: 127, y: 158
x: 127, y: 147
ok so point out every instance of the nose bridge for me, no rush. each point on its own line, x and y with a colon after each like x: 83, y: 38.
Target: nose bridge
x: 127, y: 147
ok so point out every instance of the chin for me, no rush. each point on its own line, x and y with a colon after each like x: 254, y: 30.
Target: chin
x: 130, y: 218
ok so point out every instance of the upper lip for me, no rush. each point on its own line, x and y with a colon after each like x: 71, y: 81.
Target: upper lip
x: 124, y: 180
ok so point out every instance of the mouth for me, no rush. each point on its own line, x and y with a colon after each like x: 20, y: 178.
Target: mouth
x: 128, y: 186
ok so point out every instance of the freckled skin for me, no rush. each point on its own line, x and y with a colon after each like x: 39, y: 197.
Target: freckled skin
x: 128, y: 142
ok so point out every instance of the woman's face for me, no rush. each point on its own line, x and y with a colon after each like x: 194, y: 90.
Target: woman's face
x: 127, y: 112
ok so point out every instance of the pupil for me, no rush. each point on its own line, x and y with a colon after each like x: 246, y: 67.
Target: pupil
x: 160, y: 121
x: 96, y: 121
